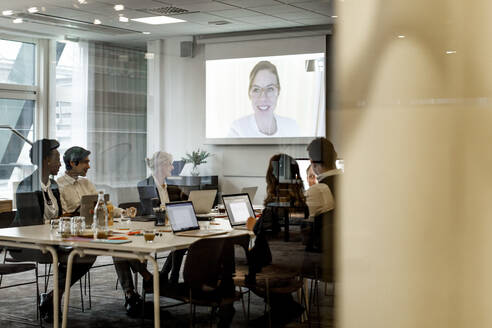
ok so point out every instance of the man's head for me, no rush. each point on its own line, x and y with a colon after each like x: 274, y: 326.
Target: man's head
x: 77, y: 160
x: 322, y: 155
x: 44, y: 154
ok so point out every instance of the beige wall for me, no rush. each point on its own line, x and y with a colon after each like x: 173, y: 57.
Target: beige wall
x: 415, y: 218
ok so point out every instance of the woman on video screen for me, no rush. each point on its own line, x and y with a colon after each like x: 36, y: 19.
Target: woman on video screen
x: 264, y: 89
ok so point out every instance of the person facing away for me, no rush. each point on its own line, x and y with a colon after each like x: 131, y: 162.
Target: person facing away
x: 73, y: 185
x: 263, y: 92
x: 38, y: 202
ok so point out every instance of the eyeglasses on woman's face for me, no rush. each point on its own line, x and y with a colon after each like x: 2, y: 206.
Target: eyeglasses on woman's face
x: 269, y: 91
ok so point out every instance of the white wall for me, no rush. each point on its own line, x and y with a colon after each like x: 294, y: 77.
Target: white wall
x: 181, y: 116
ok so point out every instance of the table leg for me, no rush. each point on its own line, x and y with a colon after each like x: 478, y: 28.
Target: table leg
x: 56, y: 290
x: 157, y: 308
x: 68, y: 281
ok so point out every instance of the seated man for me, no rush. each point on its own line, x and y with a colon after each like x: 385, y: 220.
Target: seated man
x: 73, y: 185
x: 319, y: 197
x: 38, y: 201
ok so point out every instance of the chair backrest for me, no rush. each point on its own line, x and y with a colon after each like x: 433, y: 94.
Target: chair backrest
x: 203, y: 263
x: 212, y: 259
x: 6, y: 219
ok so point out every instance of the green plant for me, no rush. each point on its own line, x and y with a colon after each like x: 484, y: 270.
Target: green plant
x: 196, y: 157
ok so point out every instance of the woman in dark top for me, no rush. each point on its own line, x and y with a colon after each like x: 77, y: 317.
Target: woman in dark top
x: 283, y: 186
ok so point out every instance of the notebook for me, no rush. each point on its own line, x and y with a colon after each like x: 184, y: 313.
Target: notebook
x: 239, y: 209
x: 202, y: 200
x: 184, y: 222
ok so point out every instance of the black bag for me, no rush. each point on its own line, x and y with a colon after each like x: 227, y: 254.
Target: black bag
x: 260, y: 255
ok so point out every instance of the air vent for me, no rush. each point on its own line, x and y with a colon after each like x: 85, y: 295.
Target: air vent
x: 219, y: 22
x: 167, y: 11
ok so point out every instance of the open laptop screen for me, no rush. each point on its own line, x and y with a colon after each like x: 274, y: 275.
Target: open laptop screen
x: 182, y: 216
x: 238, y: 207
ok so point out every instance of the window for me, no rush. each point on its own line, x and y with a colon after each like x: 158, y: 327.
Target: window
x: 101, y: 105
x: 18, y: 95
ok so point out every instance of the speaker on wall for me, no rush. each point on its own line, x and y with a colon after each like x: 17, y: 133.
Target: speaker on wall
x: 186, y: 49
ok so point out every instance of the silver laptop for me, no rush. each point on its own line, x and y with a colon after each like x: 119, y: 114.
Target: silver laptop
x: 251, y: 191
x: 202, y: 200
x: 184, y: 222
x: 87, y: 205
x: 239, y: 209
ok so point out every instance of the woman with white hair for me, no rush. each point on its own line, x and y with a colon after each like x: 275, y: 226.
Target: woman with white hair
x: 154, y: 192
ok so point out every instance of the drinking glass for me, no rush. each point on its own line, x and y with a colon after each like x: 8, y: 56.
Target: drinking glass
x: 77, y: 225
x: 125, y: 220
x: 149, y: 235
x: 54, y: 225
x: 65, y: 227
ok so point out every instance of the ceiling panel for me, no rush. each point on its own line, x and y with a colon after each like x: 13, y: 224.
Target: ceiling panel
x: 300, y: 15
x: 235, y: 13
x: 206, y: 7
x: 317, y: 6
x: 250, y: 3
x: 316, y: 21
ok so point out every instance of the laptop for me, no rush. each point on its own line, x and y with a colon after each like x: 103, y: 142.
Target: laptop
x: 202, y: 200
x: 239, y: 209
x: 87, y: 205
x: 184, y: 222
x: 251, y: 191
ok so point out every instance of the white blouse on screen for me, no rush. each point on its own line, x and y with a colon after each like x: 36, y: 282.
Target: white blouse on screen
x: 246, y: 127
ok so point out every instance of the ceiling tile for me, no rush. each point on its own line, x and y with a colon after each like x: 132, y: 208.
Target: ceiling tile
x: 315, y: 21
x: 260, y: 19
x: 206, y: 6
x: 235, y: 13
x: 250, y: 3
x: 278, y: 9
x: 300, y: 15
x: 317, y: 6
x: 198, y: 17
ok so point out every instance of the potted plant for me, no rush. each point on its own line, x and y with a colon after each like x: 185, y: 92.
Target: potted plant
x: 196, y: 157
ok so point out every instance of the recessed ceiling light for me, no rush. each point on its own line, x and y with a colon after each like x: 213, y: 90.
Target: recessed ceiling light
x: 17, y: 21
x: 145, y: 32
x: 7, y: 12
x: 97, y: 21
x: 33, y: 10
x: 119, y: 7
x: 334, y: 16
x: 123, y: 19
x: 401, y: 37
x: 82, y: 2
x: 450, y: 52
x: 157, y: 20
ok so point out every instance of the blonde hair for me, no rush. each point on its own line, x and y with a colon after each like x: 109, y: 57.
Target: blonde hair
x: 158, y: 158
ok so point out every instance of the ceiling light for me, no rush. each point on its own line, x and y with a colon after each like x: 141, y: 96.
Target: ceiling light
x: 97, y: 21
x: 145, y: 32
x: 82, y: 2
x: 450, y: 52
x: 17, y: 21
x: 119, y: 7
x: 33, y: 10
x: 334, y: 16
x: 401, y: 37
x: 7, y: 12
x: 123, y: 19
x: 157, y: 20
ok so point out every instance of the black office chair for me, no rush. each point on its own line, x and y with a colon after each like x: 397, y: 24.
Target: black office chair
x: 6, y: 269
x: 207, y: 275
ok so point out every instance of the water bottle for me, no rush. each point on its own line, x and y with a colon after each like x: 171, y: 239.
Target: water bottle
x: 100, y: 224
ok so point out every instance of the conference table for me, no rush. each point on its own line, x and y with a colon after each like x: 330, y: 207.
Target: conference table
x: 42, y: 238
